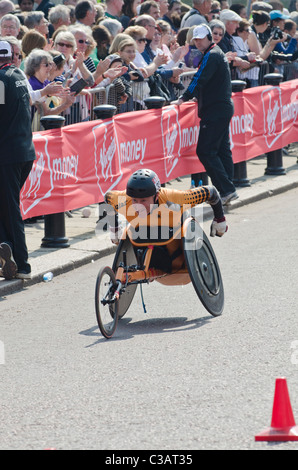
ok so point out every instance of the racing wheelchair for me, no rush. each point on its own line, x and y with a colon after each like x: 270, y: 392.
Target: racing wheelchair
x: 116, y: 286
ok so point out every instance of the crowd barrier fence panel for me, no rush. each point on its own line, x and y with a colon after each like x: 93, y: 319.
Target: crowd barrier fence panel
x: 288, y: 70
x: 98, y: 96
x: 264, y: 69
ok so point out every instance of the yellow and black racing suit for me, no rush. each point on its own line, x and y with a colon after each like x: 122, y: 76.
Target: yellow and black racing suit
x: 163, y: 221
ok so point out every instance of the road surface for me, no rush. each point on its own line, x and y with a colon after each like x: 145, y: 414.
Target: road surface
x: 173, y: 378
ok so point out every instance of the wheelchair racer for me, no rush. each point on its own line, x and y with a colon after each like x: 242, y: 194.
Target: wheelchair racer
x: 146, y: 203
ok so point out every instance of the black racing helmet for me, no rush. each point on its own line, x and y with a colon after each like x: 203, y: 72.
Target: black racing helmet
x: 143, y: 183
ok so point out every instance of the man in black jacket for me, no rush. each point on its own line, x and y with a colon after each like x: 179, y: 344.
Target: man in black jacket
x: 211, y: 87
x: 45, y: 6
x: 16, y: 159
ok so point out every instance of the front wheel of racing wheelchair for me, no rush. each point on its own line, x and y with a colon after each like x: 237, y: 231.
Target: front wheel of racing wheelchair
x: 106, y: 302
x: 108, y: 308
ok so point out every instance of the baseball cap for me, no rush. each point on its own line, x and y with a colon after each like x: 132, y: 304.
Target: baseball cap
x: 264, y: 6
x: 201, y: 31
x: 229, y: 15
x: 114, y: 58
x: 5, y: 49
x: 277, y: 15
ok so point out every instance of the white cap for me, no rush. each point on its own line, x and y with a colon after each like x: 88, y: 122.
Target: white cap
x: 201, y: 31
x: 229, y: 15
x: 5, y: 49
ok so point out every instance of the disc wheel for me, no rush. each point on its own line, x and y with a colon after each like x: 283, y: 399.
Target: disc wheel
x: 203, y: 268
x: 106, y: 313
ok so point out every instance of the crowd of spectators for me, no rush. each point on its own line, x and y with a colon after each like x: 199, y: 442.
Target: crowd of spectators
x: 141, y: 48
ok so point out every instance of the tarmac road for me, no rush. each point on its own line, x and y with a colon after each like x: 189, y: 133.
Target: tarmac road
x: 174, y: 378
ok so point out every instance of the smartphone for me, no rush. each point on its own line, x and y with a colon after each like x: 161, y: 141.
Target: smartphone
x: 78, y: 86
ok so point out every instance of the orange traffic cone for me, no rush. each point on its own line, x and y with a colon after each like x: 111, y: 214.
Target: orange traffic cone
x: 283, y: 426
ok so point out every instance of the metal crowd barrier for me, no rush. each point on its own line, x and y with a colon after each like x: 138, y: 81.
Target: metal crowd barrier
x: 185, y: 79
x: 264, y: 69
x: 81, y: 110
x: 98, y: 96
x: 84, y: 105
x: 289, y: 71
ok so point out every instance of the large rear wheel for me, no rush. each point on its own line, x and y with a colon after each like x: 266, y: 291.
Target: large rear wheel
x: 106, y: 308
x: 203, y: 267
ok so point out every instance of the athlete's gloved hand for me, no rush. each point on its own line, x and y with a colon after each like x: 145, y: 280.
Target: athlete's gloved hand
x: 115, y: 235
x: 218, y: 227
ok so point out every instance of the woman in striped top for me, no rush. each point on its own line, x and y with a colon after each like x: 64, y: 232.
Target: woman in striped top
x: 85, y: 44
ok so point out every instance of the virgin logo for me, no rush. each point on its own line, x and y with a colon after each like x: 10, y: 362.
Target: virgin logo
x: 39, y: 184
x: 106, y: 160
x: 272, y: 115
x: 171, y: 137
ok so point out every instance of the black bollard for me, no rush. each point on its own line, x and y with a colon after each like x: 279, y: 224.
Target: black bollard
x: 104, y: 111
x: 240, y: 169
x: 54, y: 224
x: 274, y: 158
x: 52, y: 122
x: 154, y: 102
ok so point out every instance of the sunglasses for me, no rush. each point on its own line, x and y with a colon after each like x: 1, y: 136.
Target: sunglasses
x: 141, y: 40
x: 82, y: 41
x: 63, y: 44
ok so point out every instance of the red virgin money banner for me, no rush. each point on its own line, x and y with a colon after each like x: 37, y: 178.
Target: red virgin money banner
x: 78, y: 164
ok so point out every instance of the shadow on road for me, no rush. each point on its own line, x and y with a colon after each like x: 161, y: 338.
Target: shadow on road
x: 127, y: 328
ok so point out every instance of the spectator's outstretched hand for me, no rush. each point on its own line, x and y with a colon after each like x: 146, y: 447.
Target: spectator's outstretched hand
x: 180, y: 52
x: 116, y: 72
x: 103, y: 66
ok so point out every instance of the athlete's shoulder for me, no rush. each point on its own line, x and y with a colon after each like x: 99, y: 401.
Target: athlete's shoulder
x: 166, y: 195
x: 117, y: 199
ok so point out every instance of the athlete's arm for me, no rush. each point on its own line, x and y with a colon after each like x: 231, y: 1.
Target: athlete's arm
x: 219, y: 224
x: 113, y: 200
x: 194, y: 197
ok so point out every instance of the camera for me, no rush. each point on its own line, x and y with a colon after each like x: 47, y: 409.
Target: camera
x: 276, y: 33
x: 280, y: 56
x: 58, y: 59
